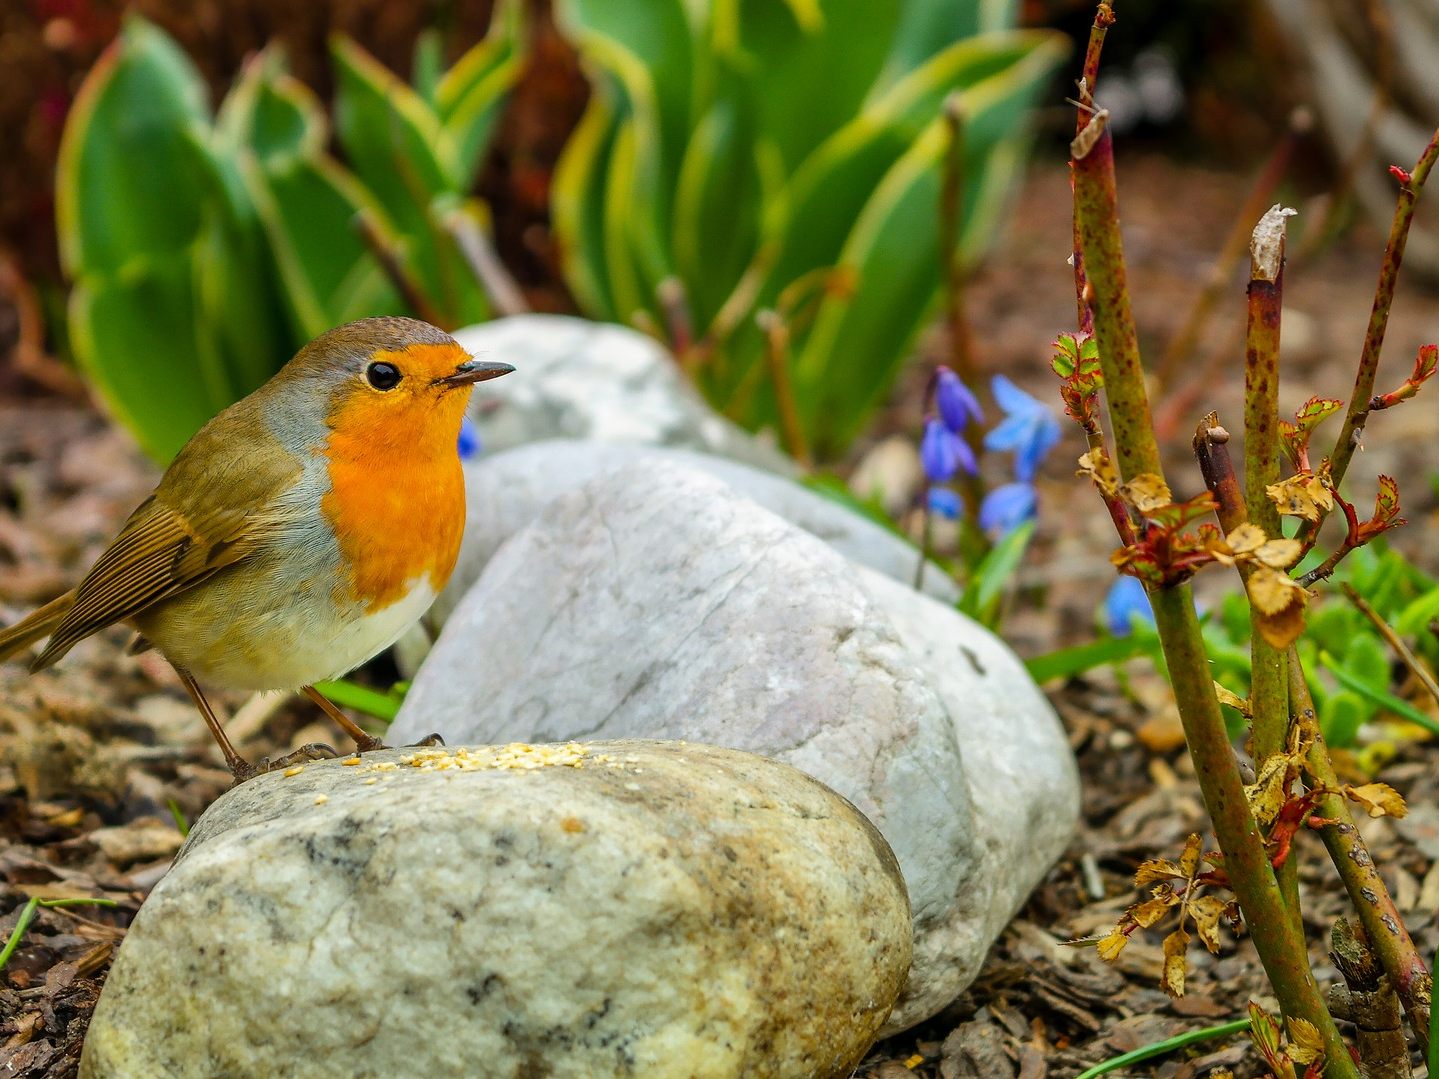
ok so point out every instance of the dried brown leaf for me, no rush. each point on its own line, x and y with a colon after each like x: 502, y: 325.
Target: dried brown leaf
x: 1234, y: 700
x: 1279, y: 553
x: 1245, y: 539
x: 1207, y: 910
x: 1153, y: 910
x: 1268, y: 793
x: 1378, y: 799
x: 1112, y: 943
x: 1157, y: 869
x: 1305, y: 1043
x: 1100, y: 469
x: 1171, y: 980
x: 1301, y: 495
x: 1278, y: 601
x: 1189, y: 860
x: 1146, y: 492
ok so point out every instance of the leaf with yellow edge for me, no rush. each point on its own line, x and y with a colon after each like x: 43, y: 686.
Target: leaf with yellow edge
x: 1189, y: 860
x: 1279, y: 553
x: 1171, y: 980
x: 1146, y: 492
x: 1245, y: 539
x: 1378, y: 799
x: 1301, y: 495
x: 1279, y: 602
x: 1305, y: 1043
x: 1207, y: 910
x: 1157, y: 869
x: 1234, y: 700
x: 1112, y: 944
x: 1151, y: 911
x: 1100, y: 469
x: 1268, y: 793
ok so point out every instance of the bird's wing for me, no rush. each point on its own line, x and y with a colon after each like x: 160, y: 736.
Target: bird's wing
x: 198, y: 521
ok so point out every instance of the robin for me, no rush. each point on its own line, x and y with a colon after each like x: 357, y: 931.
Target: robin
x: 298, y: 533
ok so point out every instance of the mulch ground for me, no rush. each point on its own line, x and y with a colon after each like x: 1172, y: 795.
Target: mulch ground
x: 100, y: 757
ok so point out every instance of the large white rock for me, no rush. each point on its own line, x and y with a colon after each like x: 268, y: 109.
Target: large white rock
x: 655, y: 601
x: 506, y: 491
x: 594, y: 380
x: 657, y: 910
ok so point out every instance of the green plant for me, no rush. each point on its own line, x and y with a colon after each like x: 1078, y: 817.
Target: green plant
x: 763, y: 181
x: 204, y: 251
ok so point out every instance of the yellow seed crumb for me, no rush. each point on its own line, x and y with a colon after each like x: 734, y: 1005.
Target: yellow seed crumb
x: 914, y: 1061
x: 372, y: 779
x: 321, y: 799
x: 350, y: 762
x: 519, y: 756
x: 295, y: 770
x: 572, y: 825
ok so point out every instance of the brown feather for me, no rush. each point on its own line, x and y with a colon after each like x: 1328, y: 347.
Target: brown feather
x: 34, y: 626
x: 213, y: 507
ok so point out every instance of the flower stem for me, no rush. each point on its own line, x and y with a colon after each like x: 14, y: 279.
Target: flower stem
x: 776, y: 353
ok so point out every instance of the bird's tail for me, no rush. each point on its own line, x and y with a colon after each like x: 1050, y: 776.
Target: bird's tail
x: 39, y: 624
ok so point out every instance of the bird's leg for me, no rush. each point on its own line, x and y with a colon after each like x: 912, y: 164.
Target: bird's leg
x: 239, y: 767
x: 363, y: 742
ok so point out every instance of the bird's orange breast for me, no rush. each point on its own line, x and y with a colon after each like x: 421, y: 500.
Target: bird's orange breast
x: 397, y: 495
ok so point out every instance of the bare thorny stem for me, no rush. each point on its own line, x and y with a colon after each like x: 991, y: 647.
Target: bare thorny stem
x: 1410, y: 184
x: 1268, y: 687
x: 1377, y: 912
x: 1281, y: 945
x: 1388, y: 937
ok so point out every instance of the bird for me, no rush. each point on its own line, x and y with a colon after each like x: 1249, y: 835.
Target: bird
x: 297, y: 534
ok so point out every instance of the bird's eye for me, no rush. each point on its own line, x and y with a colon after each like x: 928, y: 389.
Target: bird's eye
x: 383, y: 376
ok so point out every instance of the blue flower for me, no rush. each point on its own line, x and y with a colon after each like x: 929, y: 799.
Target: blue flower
x: 943, y: 453
x: 945, y: 502
x: 1006, y: 508
x: 1029, y: 428
x: 469, y: 439
x: 1125, y: 602
x: 956, y: 403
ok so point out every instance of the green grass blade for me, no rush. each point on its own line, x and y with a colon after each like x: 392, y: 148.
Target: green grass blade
x: 1401, y: 708
x: 385, y: 706
x: 1168, y: 1045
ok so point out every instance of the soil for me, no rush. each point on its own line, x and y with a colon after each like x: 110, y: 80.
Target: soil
x: 100, y: 758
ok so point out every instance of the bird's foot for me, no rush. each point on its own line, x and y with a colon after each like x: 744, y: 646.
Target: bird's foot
x: 427, y: 742
x: 311, y: 751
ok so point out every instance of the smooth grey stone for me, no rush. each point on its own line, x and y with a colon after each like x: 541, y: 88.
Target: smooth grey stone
x: 656, y: 601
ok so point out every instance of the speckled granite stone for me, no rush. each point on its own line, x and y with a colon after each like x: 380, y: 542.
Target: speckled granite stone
x: 619, y: 909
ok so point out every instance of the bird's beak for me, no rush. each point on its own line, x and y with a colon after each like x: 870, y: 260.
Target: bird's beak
x: 472, y: 371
